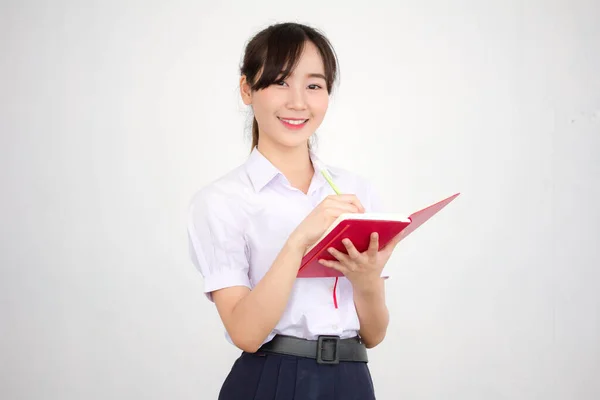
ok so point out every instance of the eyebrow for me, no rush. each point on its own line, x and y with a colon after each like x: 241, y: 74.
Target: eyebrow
x: 317, y: 76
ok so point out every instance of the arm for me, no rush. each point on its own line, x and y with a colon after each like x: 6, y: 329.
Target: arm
x: 364, y: 270
x: 250, y: 315
x: 372, y: 312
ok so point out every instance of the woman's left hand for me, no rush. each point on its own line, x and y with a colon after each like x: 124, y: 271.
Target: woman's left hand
x: 362, y: 269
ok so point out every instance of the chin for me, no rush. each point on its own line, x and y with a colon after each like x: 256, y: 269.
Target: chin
x: 291, y: 139
x: 294, y: 142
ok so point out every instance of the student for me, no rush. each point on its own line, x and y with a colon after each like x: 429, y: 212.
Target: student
x: 300, y: 338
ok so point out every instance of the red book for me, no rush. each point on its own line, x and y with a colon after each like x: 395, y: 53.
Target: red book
x: 358, y: 228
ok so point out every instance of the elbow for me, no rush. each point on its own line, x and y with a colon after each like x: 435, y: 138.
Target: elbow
x: 373, y: 341
x: 247, y: 344
x: 372, y: 344
x: 248, y: 347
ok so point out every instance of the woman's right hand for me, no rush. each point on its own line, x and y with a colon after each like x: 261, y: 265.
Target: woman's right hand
x: 317, y: 222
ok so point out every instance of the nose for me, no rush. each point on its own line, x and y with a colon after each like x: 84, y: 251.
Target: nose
x: 296, y: 99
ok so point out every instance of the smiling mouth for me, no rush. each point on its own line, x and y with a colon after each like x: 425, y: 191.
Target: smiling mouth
x: 293, y: 121
x: 293, y: 124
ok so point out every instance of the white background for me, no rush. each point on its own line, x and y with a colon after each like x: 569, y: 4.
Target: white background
x: 114, y: 113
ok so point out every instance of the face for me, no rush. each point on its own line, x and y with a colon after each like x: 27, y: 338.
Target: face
x: 290, y: 111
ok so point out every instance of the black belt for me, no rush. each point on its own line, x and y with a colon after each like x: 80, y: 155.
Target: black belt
x: 326, y: 349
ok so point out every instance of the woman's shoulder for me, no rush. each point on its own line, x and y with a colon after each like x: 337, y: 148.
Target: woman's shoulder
x: 228, y: 191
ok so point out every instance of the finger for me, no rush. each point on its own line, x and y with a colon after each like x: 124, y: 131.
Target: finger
x: 334, y: 265
x: 358, y: 204
x: 349, y: 198
x: 343, y: 207
x: 341, y: 257
x: 353, y: 253
x: 373, y: 245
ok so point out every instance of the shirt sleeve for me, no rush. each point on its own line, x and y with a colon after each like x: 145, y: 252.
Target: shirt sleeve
x: 376, y: 205
x: 217, y: 244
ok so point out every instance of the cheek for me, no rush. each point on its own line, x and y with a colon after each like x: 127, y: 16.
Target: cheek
x: 320, y: 105
x: 264, y: 102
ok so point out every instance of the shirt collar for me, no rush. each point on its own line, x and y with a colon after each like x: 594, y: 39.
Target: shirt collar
x: 261, y: 171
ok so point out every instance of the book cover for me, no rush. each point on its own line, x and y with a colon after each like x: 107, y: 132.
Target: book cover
x: 358, y: 228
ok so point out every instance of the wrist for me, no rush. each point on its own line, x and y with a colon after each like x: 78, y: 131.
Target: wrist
x: 295, y: 242
x: 368, y: 286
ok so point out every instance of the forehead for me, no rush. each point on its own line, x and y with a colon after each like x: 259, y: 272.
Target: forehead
x: 310, y: 60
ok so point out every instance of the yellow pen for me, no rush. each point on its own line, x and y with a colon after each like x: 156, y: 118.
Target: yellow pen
x: 327, y: 177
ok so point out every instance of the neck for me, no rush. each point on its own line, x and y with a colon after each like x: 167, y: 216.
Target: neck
x: 293, y: 162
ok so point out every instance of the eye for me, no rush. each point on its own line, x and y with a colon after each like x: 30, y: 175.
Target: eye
x: 280, y: 83
x: 314, y: 86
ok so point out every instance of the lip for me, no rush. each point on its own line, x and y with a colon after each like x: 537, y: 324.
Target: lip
x: 293, y: 127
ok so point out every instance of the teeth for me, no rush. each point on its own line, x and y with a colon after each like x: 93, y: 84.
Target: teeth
x: 294, y: 122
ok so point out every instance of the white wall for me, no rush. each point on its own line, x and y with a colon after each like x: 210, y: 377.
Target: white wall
x: 113, y: 114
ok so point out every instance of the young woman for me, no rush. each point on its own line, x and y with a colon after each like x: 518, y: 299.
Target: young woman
x: 300, y: 338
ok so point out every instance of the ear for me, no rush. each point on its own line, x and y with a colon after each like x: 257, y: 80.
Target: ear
x: 245, y: 91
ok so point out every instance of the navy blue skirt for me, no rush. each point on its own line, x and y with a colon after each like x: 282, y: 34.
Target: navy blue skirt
x: 269, y: 376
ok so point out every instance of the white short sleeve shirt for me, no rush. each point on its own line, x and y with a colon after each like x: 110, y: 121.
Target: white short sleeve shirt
x: 238, y: 224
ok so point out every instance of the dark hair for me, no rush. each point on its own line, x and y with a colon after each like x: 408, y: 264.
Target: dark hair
x: 276, y: 51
